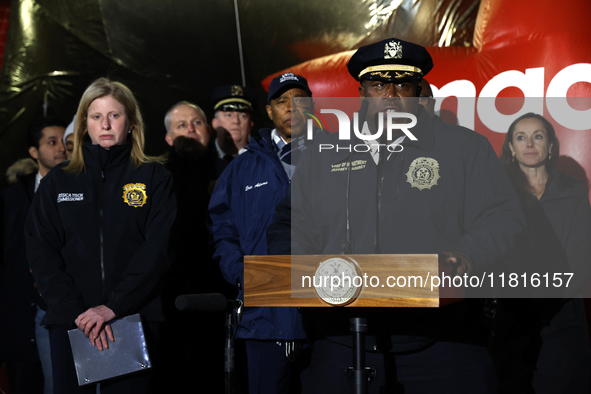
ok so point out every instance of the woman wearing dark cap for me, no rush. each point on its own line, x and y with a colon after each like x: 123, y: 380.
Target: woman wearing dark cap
x: 546, y: 348
x: 97, y: 233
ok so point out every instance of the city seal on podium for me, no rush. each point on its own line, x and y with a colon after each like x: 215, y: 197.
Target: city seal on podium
x: 337, y: 280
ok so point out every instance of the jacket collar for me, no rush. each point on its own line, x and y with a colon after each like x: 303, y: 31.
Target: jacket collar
x: 95, y: 156
x: 27, y: 182
x: 262, y: 143
x: 207, y: 156
x: 424, y: 131
x: 264, y: 140
x: 559, y: 186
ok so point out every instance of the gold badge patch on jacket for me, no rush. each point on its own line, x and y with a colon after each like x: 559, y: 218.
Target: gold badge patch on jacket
x: 423, y: 173
x: 134, y: 194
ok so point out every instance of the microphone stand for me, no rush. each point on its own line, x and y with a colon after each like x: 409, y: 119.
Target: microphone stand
x: 229, y: 370
x: 359, y: 375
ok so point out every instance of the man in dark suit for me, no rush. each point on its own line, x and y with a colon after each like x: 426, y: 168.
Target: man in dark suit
x: 24, y: 344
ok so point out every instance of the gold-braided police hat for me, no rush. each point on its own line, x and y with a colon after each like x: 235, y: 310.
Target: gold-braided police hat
x: 390, y: 60
x: 232, y: 98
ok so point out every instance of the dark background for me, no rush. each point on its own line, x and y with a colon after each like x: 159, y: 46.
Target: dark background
x: 172, y: 50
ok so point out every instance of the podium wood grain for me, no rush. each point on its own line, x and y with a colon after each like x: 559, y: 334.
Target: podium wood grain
x: 277, y: 280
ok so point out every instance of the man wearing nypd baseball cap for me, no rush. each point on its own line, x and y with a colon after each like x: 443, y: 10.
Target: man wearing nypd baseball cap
x: 284, y: 82
x: 232, y: 107
x: 241, y: 208
x: 442, y: 192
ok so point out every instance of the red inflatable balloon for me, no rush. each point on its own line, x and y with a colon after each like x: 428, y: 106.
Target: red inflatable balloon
x: 526, y: 58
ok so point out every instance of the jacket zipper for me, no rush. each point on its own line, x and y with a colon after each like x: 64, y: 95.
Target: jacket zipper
x: 379, y: 197
x: 381, y: 172
x: 101, y: 225
x: 400, y: 169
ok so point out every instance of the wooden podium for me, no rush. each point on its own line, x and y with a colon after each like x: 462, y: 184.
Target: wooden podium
x: 288, y: 281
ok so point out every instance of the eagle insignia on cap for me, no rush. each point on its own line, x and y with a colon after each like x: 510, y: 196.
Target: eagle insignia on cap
x: 393, y: 50
x: 423, y: 173
x: 237, y: 90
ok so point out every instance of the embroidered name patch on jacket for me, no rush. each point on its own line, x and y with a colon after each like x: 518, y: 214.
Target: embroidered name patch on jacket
x: 260, y: 184
x: 134, y: 194
x: 62, y: 197
x: 344, y: 166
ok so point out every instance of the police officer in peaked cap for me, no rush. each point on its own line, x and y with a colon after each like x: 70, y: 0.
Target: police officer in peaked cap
x: 443, y: 192
x: 233, y: 108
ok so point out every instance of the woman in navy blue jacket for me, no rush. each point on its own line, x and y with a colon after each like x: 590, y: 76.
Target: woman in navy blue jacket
x: 97, y: 232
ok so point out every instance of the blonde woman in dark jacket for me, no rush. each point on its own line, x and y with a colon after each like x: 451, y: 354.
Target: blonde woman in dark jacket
x: 98, y: 230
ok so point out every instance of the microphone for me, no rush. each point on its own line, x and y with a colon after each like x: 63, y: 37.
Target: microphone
x: 212, y: 302
x: 347, y: 244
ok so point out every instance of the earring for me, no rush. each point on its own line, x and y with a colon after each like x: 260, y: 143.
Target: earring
x: 550, y: 156
x: 129, y: 132
x: 513, y: 158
